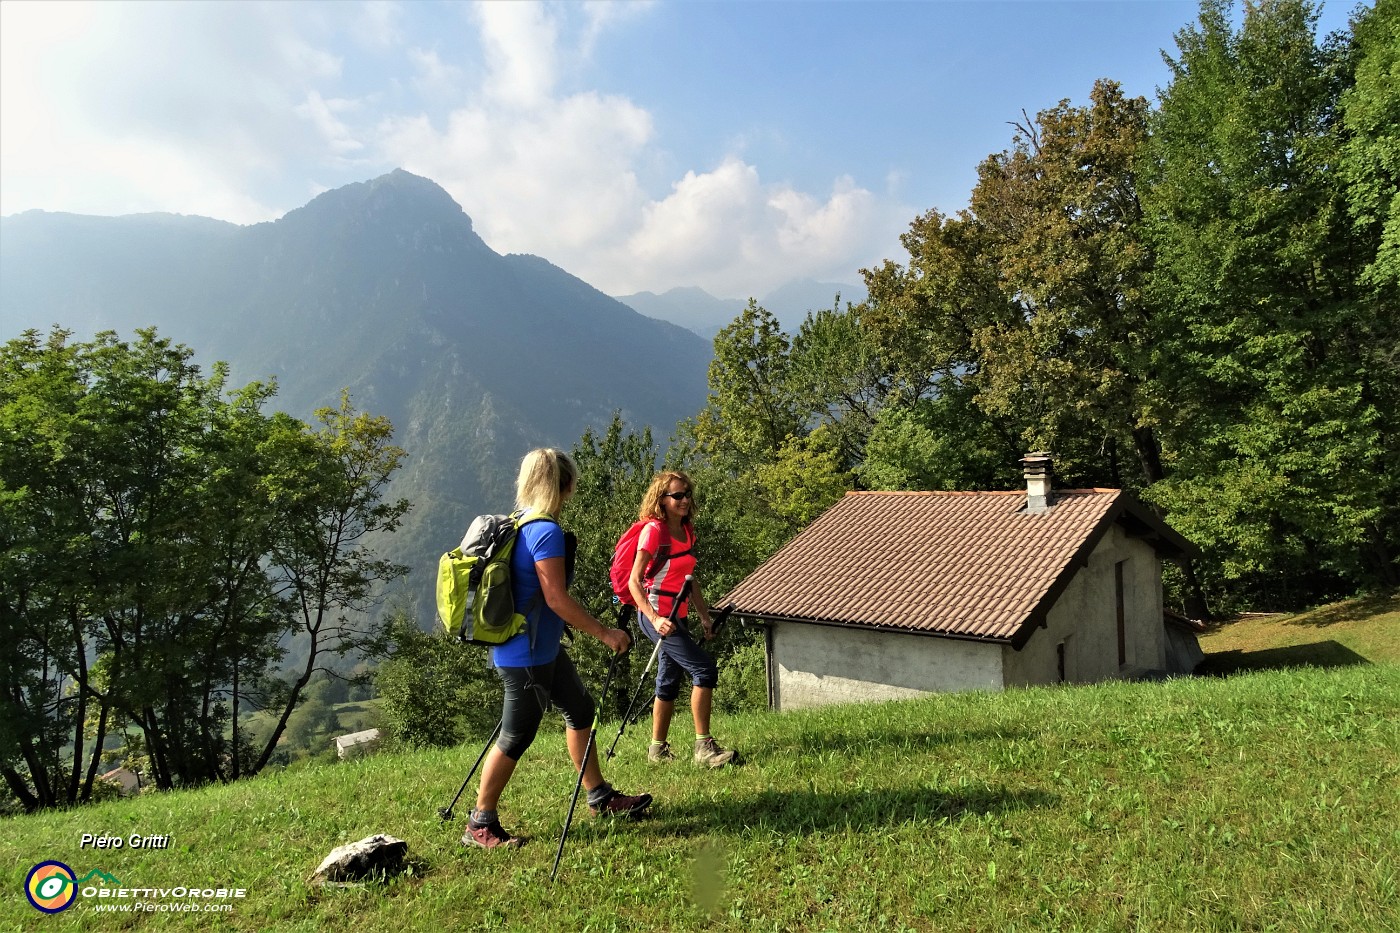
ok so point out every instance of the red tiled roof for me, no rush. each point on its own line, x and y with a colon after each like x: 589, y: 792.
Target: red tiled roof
x: 958, y: 564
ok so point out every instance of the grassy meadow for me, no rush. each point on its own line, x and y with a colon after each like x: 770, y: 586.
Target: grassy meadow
x: 1265, y: 798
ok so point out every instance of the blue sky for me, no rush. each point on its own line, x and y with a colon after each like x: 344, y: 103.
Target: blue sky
x: 641, y: 146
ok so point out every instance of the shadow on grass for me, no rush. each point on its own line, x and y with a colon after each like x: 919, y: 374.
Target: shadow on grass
x: 802, y: 811
x: 881, y: 741
x: 1355, y: 610
x: 1314, y: 654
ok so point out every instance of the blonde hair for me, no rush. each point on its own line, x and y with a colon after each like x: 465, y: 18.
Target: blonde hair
x: 546, y: 474
x: 651, y: 502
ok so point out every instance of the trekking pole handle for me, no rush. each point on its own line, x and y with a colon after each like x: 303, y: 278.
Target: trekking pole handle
x: 719, y: 618
x: 674, y: 616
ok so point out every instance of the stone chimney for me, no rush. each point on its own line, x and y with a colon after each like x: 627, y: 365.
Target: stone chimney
x: 1040, y: 473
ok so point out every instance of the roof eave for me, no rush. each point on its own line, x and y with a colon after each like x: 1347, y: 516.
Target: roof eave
x: 1142, y: 522
x: 766, y: 618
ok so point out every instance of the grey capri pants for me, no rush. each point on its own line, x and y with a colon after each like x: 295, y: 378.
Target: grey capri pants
x: 529, y: 690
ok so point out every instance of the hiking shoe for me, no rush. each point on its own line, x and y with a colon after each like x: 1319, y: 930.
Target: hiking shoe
x: 622, y: 805
x: 490, y: 836
x: 660, y: 751
x: 708, y: 753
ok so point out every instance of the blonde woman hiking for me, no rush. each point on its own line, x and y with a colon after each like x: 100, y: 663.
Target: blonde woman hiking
x: 533, y: 665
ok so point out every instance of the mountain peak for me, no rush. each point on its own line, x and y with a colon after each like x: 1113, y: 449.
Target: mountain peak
x: 387, y: 201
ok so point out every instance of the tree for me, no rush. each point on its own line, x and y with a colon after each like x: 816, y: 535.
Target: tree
x: 1061, y: 223
x: 944, y: 442
x: 760, y: 473
x: 329, y: 489
x: 1370, y: 154
x: 925, y: 319
x: 41, y: 519
x: 159, y: 538
x: 615, y: 469
x: 752, y: 408
x: 108, y: 484
x: 436, y: 690
x: 1284, y: 461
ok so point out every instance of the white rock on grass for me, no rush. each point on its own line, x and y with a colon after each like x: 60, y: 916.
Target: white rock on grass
x: 374, y: 856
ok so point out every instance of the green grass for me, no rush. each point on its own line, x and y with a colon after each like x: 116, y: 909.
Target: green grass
x: 1358, y: 631
x: 1265, y: 800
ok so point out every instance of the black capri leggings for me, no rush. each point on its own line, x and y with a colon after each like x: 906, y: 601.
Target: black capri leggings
x: 529, y: 690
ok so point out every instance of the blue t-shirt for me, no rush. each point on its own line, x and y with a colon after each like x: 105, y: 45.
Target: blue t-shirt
x: 539, y: 540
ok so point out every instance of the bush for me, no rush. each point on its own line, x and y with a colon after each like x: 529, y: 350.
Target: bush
x: 434, y: 690
x: 743, y: 676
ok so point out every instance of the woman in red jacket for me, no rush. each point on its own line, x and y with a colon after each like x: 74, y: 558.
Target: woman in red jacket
x: 668, y: 508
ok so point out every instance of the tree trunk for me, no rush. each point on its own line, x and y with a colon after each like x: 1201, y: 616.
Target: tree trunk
x: 21, y: 790
x: 96, y: 760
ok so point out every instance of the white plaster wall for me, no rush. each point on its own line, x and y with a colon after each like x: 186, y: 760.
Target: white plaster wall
x: 819, y: 665
x: 1085, y: 618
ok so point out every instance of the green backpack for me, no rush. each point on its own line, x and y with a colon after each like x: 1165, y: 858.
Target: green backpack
x: 474, y: 597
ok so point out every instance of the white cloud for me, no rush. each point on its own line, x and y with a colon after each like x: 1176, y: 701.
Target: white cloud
x: 114, y: 107
x: 519, y: 40
x: 601, y: 15
x: 433, y: 75
x: 737, y: 237
x: 378, y: 24
x: 244, y: 110
x: 556, y: 174
x: 322, y: 114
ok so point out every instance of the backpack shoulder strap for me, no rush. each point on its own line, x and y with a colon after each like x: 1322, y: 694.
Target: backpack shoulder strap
x: 663, y: 551
x: 531, y: 610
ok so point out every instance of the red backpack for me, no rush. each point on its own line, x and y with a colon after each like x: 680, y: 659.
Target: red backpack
x: 625, y: 555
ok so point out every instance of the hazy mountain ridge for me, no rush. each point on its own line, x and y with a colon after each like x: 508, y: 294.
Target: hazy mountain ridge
x: 385, y: 288
x: 704, y: 314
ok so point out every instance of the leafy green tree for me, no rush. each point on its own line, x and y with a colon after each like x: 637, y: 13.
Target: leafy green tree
x: 312, y: 725
x: 944, y: 442
x: 1284, y: 454
x: 1370, y: 155
x: 41, y: 523
x: 1061, y: 223
x: 107, y: 482
x: 928, y: 320
x: 840, y: 379
x: 615, y: 469
x: 160, y: 538
x: 329, y: 489
x: 752, y: 408
x: 804, y: 478
x: 759, y: 471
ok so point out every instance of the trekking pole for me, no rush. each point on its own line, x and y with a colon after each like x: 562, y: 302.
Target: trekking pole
x: 446, y: 812
x: 587, y: 750
x: 719, y: 619
x: 636, y: 694
x: 714, y: 624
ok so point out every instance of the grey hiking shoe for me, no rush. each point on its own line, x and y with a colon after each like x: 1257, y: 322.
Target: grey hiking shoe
x: 660, y: 751
x: 708, y: 753
x: 490, y: 836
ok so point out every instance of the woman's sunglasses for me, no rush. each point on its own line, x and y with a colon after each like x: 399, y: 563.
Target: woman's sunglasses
x: 678, y: 496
